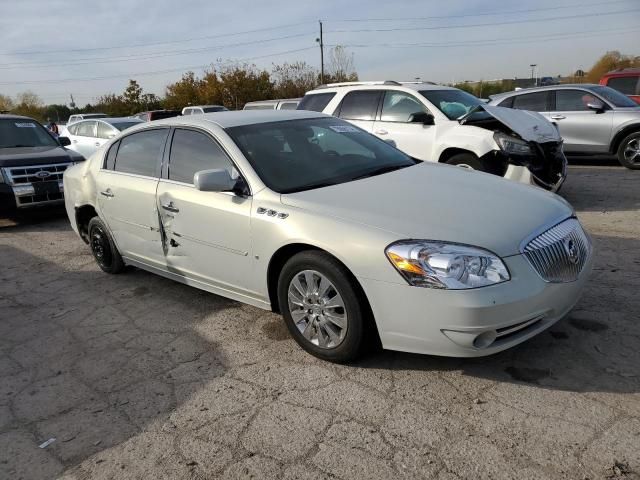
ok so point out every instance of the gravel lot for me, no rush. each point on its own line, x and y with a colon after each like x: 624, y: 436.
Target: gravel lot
x: 139, y: 377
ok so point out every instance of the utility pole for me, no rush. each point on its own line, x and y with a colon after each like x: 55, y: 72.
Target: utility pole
x: 319, y: 40
x: 533, y: 69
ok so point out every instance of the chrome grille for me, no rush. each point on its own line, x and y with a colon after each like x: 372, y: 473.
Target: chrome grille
x: 32, y: 174
x: 560, y: 253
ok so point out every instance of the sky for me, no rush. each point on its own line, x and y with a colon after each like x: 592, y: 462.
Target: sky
x: 88, y: 48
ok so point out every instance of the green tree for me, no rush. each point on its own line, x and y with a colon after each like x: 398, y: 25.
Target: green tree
x: 611, y: 61
x: 29, y: 104
x: 242, y: 83
x: 57, y: 113
x: 294, y: 79
x: 184, y: 92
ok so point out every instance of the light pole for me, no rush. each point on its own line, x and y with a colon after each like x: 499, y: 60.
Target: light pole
x: 533, y: 70
x: 320, y: 42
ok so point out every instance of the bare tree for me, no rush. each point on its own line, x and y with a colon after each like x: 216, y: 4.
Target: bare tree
x: 341, y: 65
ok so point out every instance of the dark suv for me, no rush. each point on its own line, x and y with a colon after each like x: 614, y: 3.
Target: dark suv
x: 31, y: 164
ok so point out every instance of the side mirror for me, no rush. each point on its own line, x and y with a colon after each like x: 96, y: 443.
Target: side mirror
x: 64, y: 141
x: 217, y: 180
x: 596, y: 105
x: 421, y: 117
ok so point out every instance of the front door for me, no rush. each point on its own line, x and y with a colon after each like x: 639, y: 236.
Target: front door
x: 583, y: 129
x: 414, y: 139
x: 206, y: 235
x: 127, y: 186
x: 82, y: 141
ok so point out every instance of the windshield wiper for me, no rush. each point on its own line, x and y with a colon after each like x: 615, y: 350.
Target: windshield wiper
x: 17, y: 146
x: 380, y: 171
x: 310, y: 186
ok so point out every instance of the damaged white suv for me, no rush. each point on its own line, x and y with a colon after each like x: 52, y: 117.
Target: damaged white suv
x: 447, y: 125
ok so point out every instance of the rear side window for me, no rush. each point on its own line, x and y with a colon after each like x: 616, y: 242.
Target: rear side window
x: 626, y: 85
x: 574, y: 100
x: 105, y: 131
x: 508, y: 103
x: 536, y: 102
x: 139, y: 153
x: 72, y: 129
x: 192, y: 152
x: 86, y: 129
x: 316, y: 102
x: 360, y: 105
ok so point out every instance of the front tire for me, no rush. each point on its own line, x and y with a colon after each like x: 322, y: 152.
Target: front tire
x: 103, y: 248
x: 629, y: 151
x: 321, y: 306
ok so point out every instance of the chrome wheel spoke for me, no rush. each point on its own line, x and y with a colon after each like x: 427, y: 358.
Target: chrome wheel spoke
x: 308, y: 330
x: 295, y: 298
x: 310, y: 281
x: 324, y: 286
x: 297, y: 286
x: 323, y: 337
x: 335, y: 302
x: 333, y: 335
x: 298, y: 315
x: 338, y: 321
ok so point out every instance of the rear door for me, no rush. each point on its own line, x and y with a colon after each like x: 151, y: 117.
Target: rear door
x: 83, y: 140
x: 126, y: 187
x: 393, y: 126
x: 583, y: 129
x: 360, y: 107
x: 206, y: 234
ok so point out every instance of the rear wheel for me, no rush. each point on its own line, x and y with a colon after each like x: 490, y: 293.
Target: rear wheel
x: 103, y: 248
x: 629, y: 151
x: 321, y: 306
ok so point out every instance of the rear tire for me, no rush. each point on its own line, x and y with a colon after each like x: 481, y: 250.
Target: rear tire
x: 328, y: 322
x: 629, y: 151
x: 103, y: 248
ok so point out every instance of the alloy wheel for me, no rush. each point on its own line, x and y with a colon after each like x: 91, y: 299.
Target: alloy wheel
x: 632, y: 151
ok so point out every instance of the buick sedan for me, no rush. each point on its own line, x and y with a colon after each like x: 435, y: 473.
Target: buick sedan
x: 353, y: 241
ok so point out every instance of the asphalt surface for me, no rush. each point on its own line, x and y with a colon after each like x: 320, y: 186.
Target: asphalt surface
x: 135, y: 376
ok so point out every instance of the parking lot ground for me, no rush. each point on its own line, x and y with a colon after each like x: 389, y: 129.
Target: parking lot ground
x: 135, y: 376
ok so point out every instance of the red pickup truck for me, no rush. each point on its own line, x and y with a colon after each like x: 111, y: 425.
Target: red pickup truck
x: 626, y: 81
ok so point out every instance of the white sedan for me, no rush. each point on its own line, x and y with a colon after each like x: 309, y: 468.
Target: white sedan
x: 349, y: 238
x: 87, y: 136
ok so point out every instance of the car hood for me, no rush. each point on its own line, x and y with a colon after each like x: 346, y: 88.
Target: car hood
x: 24, y: 156
x: 440, y: 202
x: 530, y: 126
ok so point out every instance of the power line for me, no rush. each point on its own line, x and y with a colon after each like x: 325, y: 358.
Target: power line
x: 142, y: 74
x: 153, y: 44
x: 128, y: 58
x: 482, y: 14
x: 496, y: 41
x: 511, y: 22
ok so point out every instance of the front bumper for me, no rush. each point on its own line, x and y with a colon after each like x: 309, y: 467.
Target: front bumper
x: 24, y: 196
x: 548, y: 167
x: 455, y: 322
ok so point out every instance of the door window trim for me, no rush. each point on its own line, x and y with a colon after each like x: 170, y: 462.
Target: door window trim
x: 166, y: 157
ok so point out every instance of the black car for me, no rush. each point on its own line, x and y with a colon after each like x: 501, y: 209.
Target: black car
x: 32, y: 162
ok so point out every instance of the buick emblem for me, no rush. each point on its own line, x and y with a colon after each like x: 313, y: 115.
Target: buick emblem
x: 572, y: 250
x: 43, y: 174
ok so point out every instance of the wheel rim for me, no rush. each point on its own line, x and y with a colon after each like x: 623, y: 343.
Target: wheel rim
x: 101, y: 247
x: 632, y: 151
x: 317, y: 309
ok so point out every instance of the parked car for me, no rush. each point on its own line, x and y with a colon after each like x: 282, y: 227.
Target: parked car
x: 281, y: 104
x: 32, y: 162
x: 592, y: 119
x: 349, y: 238
x: 152, y: 115
x: 626, y: 80
x: 199, y: 109
x: 87, y: 136
x: 447, y: 125
x: 84, y: 116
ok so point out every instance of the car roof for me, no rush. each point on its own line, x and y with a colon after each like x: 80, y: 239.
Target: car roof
x: 203, y: 106
x: 378, y: 85
x: 11, y: 116
x: 563, y: 86
x: 623, y: 72
x: 119, y: 120
x: 241, y: 117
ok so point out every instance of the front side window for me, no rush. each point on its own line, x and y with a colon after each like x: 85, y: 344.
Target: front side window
x: 139, y: 153
x: 399, y: 106
x: 19, y: 132
x: 613, y: 96
x: 288, y: 105
x: 360, y: 105
x: 106, y: 131
x: 316, y: 102
x: 86, y: 129
x: 453, y: 103
x: 299, y: 155
x: 574, y: 100
x: 535, y: 102
x: 192, y: 152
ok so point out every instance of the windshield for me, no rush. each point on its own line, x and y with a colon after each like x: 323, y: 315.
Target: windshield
x: 124, y: 125
x: 214, y: 109
x: 24, y: 132
x: 297, y: 155
x: 453, y: 103
x: 613, y: 96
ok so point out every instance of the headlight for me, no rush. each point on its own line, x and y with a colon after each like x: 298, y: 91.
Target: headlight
x: 446, y: 265
x: 512, y: 144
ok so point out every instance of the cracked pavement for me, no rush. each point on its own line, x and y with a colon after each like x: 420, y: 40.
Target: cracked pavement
x: 136, y: 376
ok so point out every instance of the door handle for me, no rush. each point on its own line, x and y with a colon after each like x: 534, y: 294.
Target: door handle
x: 558, y: 117
x: 107, y: 193
x: 97, y: 144
x: 75, y: 141
x: 170, y: 207
x: 381, y: 132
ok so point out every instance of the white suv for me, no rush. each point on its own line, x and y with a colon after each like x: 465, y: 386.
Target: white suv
x: 447, y: 125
